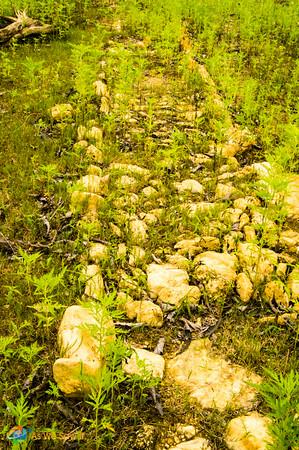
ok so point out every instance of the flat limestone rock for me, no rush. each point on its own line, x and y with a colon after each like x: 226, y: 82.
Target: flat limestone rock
x: 145, y: 364
x: 170, y: 284
x: 248, y: 432
x: 195, y: 444
x: 82, y: 349
x: 211, y: 380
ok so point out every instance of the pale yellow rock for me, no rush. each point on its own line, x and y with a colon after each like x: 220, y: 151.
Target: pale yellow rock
x: 293, y: 283
x: 148, y: 218
x: 292, y: 198
x: 244, y: 287
x: 80, y: 145
x: 281, y: 270
x: 231, y: 215
x: 244, y: 220
x: 96, y: 134
x: 274, y: 290
x: 130, y: 168
x: 262, y: 169
x: 128, y: 183
x: 290, y: 239
x: 85, y: 201
x: 224, y: 191
x: 246, y: 202
x: 95, y: 153
x: 101, y: 88
x: 192, y: 247
x: 61, y: 112
x: 192, y: 186
x: 249, y: 233
x: 138, y: 231
x: 115, y: 229
x: 136, y: 256
x: 145, y: 364
x: 257, y: 262
x: 82, y: 131
x: 196, y: 208
x: 83, y: 337
x: 94, y: 287
x: 179, y: 261
x: 149, y: 191
x: 195, y: 444
x: 94, y: 170
x: 157, y: 212
x: 170, y: 284
x: 187, y: 431
x: 98, y: 252
x: 217, y: 271
x: 250, y: 432
x: 95, y: 184
x: 211, y: 380
x: 149, y: 313
x: 284, y: 319
x: 231, y: 240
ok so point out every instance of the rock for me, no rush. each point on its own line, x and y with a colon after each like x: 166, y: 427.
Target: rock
x: 149, y: 191
x: 95, y: 134
x: 286, y: 318
x: 186, y: 431
x: 170, y: 284
x: 83, y: 350
x: 191, y: 186
x: 217, y: 271
x: 292, y: 198
x: 262, y: 169
x: 224, y: 191
x: 244, y: 220
x: 145, y: 364
x: 257, y: 262
x: 290, y: 240
x: 248, y: 432
x: 195, y: 444
x: 148, y: 218
x: 95, y: 184
x: 179, y: 261
x: 231, y: 216
x: 138, y: 231
x: 293, y: 284
x: 98, y: 252
x: 95, y: 153
x: 274, y: 290
x: 101, y: 88
x: 210, y: 379
x: 130, y: 168
x: 249, y: 233
x: 94, y: 282
x: 81, y: 132
x: 281, y: 270
x: 196, y: 208
x: 192, y: 247
x: 248, y: 202
x: 85, y: 202
x: 244, y: 287
x: 231, y: 240
x: 80, y: 145
x: 136, y: 256
x: 94, y: 170
x: 121, y: 251
x: 115, y: 229
x: 61, y: 112
x: 128, y: 183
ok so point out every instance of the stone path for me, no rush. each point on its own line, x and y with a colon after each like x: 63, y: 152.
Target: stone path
x: 186, y: 177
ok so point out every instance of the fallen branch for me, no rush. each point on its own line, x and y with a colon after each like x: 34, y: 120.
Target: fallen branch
x: 22, y: 26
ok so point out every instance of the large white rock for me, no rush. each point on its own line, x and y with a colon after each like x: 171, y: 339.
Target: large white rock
x: 170, y: 284
x: 195, y: 444
x: 217, y: 271
x: 83, y: 337
x: 210, y: 379
x: 145, y: 364
x: 248, y: 432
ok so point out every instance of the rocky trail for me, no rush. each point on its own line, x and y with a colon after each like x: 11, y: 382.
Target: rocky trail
x: 177, y: 237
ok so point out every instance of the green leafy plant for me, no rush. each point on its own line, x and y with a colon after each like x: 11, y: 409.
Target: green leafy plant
x: 21, y: 410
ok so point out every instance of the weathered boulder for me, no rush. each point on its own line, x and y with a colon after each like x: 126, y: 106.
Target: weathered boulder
x: 61, y: 112
x: 192, y: 186
x: 145, y: 364
x: 195, y: 444
x: 248, y: 432
x: 217, y: 271
x: 244, y: 287
x: 210, y: 379
x: 94, y: 287
x: 170, y: 284
x: 83, y: 337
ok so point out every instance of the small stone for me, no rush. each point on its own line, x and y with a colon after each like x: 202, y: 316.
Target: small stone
x: 179, y: 261
x: 96, y: 134
x: 274, y: 290
x: 136, y: 256
x: 230, y: 241
x: 148, y: 218
x: 138, y: 231
x: 145, y: 364
x: 246, y: 202
x: 281, y: 270
x: 95, y: 153
x: 195, y: 444
x: 211, y: 380
x: 128, y: 183
x: 95, y: 184
x: 82, y: 131
x: 115, y: 229
x: 250, y: 234
x: 244, y: 220
x: 293, y: 284
x: 98, y: 252
x: 82, y: 350
x: 149, y: 191
x: 257, y: 262
x: 101, y: 88
x: 94, y: 170
x: 250, y: 432
x: 244, y: 287
x: 149, y: 313
x: 192, y: 247
x: 292, y: 198
x: 121, y: 251
x: 191, y: 186
x: 196, y: 208
x: 284, y: 319
x: 290, y: 239
x: 61, y: 112
x: 187, y: 431
x: 262, y: 169
x: 129, y: 168
x: 231, y: 216
x: 224, y: 191
x: 94, y: 282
